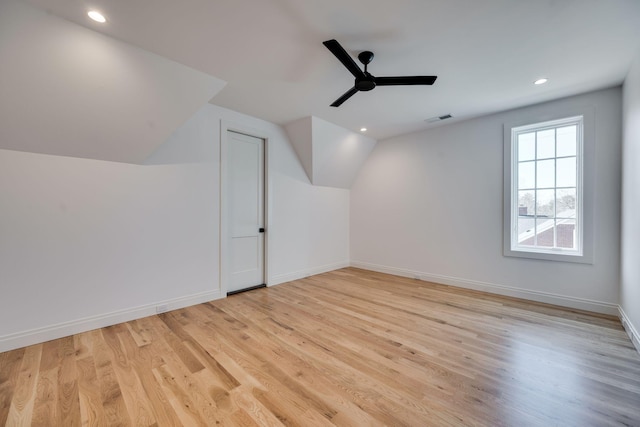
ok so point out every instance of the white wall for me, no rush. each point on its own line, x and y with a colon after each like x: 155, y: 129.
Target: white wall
x: 630, y: 281
x: 87, y: 243
x: 338, y: 154
x: 430, y: 205
x: 331, y: 155
x: 300, y: 134
x: 308, y: 225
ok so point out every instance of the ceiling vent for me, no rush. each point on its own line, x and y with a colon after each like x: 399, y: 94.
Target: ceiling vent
x: 438, y: 118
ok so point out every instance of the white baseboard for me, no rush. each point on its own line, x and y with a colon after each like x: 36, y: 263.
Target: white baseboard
x: 301, y: 274
x: 545, y: 297
x: 631, y: 330
x: 47, y: 333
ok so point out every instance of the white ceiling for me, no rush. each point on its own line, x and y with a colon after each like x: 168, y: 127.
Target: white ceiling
x: 486, y: 53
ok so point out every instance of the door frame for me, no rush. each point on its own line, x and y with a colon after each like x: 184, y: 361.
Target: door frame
x: 225, y: 127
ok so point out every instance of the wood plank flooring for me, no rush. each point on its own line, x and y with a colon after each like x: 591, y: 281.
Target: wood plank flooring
x: 348, y: 348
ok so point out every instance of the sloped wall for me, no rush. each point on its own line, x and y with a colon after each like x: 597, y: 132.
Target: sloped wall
x: 330, y: 154
x: 70, y: 91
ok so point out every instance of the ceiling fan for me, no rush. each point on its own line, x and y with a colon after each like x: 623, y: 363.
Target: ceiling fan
x: 364, y: 80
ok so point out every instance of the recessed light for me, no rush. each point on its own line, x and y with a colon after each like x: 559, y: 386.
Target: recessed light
x: 540, y: 81
x: 97, y: 16
x: 363, y: 129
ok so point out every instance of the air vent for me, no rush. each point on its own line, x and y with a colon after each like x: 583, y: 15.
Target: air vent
x: 438, y: 118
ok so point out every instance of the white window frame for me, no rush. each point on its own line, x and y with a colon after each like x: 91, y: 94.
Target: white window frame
x: 584, y: 117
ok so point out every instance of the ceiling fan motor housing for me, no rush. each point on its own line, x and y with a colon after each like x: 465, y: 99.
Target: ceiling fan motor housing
x: 368, y: 82
x: 365, y: 84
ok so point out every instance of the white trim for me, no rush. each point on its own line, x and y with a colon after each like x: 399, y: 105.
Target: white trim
x: 64, y: 329
x: 225, y: 127
x: 545, y: 297
x: 586, y: 173
x: 301, y: 274
x: 629, y: 328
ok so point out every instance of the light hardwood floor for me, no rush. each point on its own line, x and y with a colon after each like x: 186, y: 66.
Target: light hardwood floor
x: 350, y: 347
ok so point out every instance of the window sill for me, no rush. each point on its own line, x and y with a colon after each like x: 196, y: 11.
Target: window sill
x: 560, y: 256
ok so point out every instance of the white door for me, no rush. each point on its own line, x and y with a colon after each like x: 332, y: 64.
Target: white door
x: 245, y: 184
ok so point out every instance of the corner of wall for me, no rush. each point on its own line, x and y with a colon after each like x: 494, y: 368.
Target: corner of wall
x: 300, y: 137
x: 630, y: 229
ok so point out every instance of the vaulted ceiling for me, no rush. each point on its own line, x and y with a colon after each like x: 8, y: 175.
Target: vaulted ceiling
x: 270, y: 54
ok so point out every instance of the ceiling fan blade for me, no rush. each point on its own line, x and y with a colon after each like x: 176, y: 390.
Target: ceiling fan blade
x: 405, y: 80
x: 346, y: 59
x: 348, y: 94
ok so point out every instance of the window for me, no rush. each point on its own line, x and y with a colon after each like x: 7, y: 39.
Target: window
x: 544, y: 190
